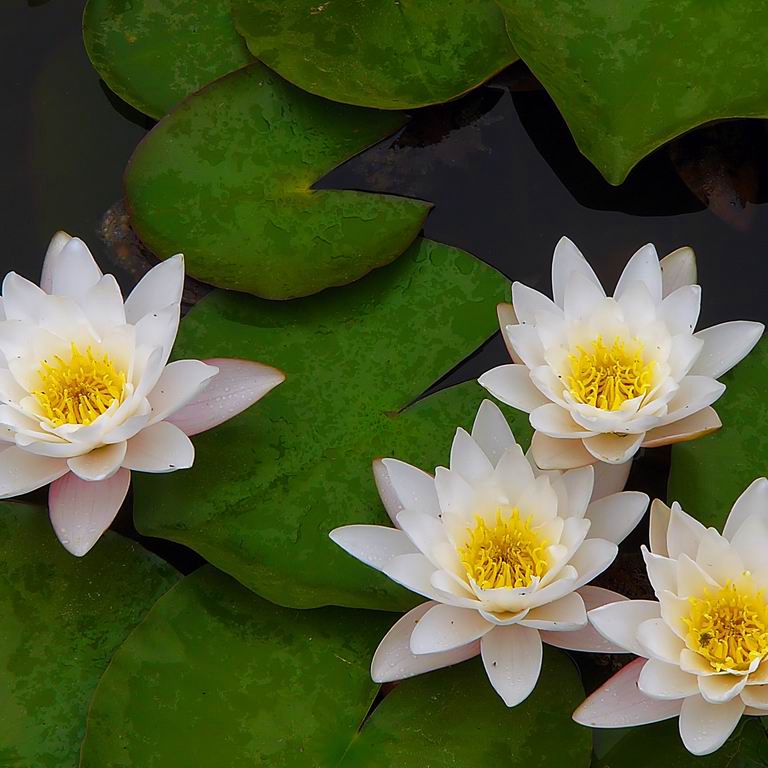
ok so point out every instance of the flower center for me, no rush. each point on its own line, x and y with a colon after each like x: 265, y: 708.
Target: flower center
x: 729, y: 629
x: 606, y: 377
x: 78, y: 390
x: 507, y: 554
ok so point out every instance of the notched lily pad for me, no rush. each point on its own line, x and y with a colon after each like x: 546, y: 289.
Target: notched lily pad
x: 62, y: 618
x: 268, y: 486
x: 153, y: 53
x: 378, y: 53
x: 227, y: 179
x: 217, y: 676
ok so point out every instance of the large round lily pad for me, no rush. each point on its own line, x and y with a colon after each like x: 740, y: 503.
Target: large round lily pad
x: 630, y: 75
x: 227, y: 179
x: 62, y: 618
x: 216, y: 676
x: 391, y: 54
x: 268, y: 486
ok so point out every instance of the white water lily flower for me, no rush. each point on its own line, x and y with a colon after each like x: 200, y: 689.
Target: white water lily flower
x: 704, y: 644
x: 603, y: 376
x: 86, y: 391
x: 503, y: 552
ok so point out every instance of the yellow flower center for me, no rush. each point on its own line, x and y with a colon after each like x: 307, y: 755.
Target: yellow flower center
x: 507, y: 554
x: 729, y: 629
x: 80, y: 389
x: 606, y: 377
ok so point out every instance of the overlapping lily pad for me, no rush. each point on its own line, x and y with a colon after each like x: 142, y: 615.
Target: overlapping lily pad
x: 709, y: 474
x: 153, y: 53
x: 630, y: 75
x: 226, y: 179
x: 62, y: 618
x: 378, y: 53
x: 268, y: 486
x: 217, y: 676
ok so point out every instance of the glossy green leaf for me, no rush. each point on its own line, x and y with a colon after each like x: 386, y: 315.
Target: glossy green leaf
x: 216, y: 676
x: 226, y: 179
x: 392, y: 54
x: 630, y: 75
x: 62, y: 618
x: 709, y: 474
x: 268, y: 486
x: 660, y: 744
x: 153, y: 53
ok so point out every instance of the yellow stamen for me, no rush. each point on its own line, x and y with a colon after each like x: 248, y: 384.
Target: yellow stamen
x: 606, y: 377
x: 730, y: 628
x: 80, y: 389
x: 509, y: 554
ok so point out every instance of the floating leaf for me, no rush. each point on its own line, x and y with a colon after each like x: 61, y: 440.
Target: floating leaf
x: 254, y: 684
x: 153, y: 53
x: 268, y: 486
x: 630, y: 75
x: 226, y: 179
x: 378, y: 53
x: 709, y: 474
x: 62, y: 619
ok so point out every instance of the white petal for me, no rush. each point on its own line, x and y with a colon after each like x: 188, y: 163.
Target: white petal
x: 81, y: 511
x: 615, y: 517
x: 554, y: 421
x: 620, y: 704
x: 512, y: 385
x: 726, y: 345
x: 394, y: 660
x: 374, y: 545
x: 692, y: 581
x: 564, y: 615
x: 161, y: 447
x: 717, y: 689
x: 613, y: 448
x: 72, y: 270
x: 400, y: 485
x: 683, y: 534
x: 642, y: 267
x: 610, y: 478
x: 158, y: 330
x: 506, y: 314
x: 678, y: 269
x: 638, y: 306
x: 693, y: 394
x: 592, y: 558
x: 99, y: 464
x: 680, y: 310
x: 578, y: 485
x: 717, y: 558
x: 514, y: 474
x: 526, y: 342
x: 468, y: 458
x: 704, y: 727
x: 659, y: 525
x: 512, y: 660
x: 425, y: 531
x: 567, y: 259
x: 692, y: 427
x: 753, y: 501
x: 559, y: 453
x: 22, y: 472
x: 22, y: 299
x: 662, y: 572
x: 665, y: 681
x: 750, y: 542
x: 161, y: 286
x: 529, y: 303
x: 659, y: 642
x: 179, y: 383
x: 491, y: 431
x: 581, y: 298
x: 455, y: 494
x: 58, y: 241
x: 618, y: 622
x: 445, y: 628
x: 756, y: 696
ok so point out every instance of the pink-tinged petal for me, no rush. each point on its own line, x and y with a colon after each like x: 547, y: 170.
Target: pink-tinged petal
x: 613, y: 448
x: 753, y: 501
x: 55, y: 247
x: 692, y: 427
x: 615, y: 517
x: 237, y: 386
x: 401, y: 485
x: 678, y: 269
x: 620, y: 704
x: 660, y: 680
x: 69, y: 270
x: 619, y: 622
x: 179, y: 384
x: 705, y: 727
x: 81, y: 511
x: 726, y: 345
x: 446, y: 628
x: 161, y: 286
x: 22, y: 472
x: 559, y: 453
x: 374, y: 545
x: 99, y: 464
x: 394, y: 659
x: 161, y: 447
x: 512, y: 385
x: 643, y: 267
x: 512, y: 660
x: 566, y: 260
x: 610, y: 478
x: 506, y: 315
x: 491, y: 431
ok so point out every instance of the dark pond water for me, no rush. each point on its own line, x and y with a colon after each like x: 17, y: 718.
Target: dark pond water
x: 500, y: 166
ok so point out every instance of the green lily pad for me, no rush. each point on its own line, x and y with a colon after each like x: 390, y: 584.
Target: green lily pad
x: 226, y: 179
x: 268, y: 486
x: 378, y: 53
x: 660, y: 744
x: 630, y: 75
x: 153, y: 53
x: 709, y: 474
x: 217, y: 676
x: 62, y: 619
